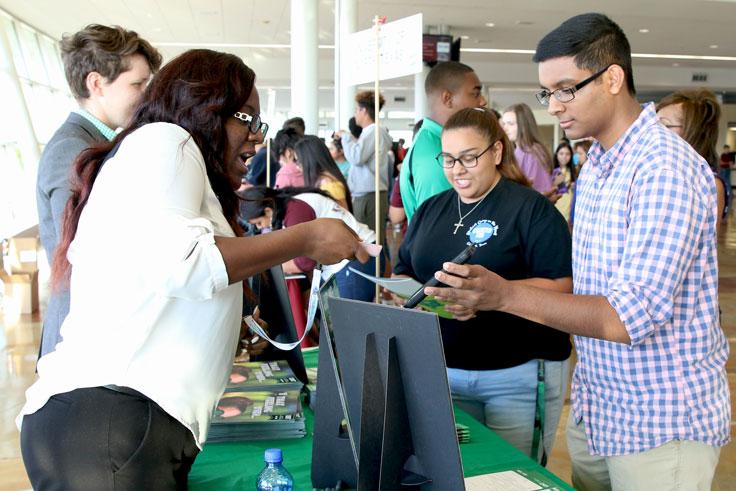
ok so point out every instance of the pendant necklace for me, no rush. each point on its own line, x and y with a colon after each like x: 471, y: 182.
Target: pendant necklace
x: 463, y: 217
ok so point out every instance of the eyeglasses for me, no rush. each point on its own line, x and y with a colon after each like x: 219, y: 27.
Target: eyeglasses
x: 567, y: 94
x: 467, y: 160
x: 254, y: 123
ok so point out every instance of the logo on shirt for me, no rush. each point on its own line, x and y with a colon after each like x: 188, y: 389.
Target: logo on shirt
x: 481, y: 232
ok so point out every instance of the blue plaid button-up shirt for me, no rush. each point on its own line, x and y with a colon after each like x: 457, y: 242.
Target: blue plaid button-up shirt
x: 645, y: 238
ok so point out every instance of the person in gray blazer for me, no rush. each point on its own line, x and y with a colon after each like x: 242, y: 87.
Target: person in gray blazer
x: 108, y: 69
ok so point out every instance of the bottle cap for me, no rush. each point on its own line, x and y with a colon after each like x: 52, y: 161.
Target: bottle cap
x: 273, y: 456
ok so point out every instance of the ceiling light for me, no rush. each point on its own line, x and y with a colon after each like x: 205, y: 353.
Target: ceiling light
x: 490, y: 24
x: 464, y: 37
x: 644, y: 31
x: 713, y: 46
x: 675, y: 64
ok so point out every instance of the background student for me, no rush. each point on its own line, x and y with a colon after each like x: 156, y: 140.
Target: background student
x: 107, y: 69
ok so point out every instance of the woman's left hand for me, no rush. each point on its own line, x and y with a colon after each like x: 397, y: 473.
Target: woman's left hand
x: 252, y: 344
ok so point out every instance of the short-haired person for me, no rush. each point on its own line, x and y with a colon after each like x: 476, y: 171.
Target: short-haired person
x: 107, y: 69
x: 650, y: 397
x: 494, y: 358
x: 109, y: 411
x: 360, y: 153
x: 297, y: 123
x: 257, y: 165
x: 450, y: 87
x: 728, y: 158
x: 532, y: 155
x: 320, y: 171
x: 694, y: 115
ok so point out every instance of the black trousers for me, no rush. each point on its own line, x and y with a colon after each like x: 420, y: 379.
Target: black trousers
x: 100, y: 439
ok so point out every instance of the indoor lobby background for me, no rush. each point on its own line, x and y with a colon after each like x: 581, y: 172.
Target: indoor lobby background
x: 294, y: 46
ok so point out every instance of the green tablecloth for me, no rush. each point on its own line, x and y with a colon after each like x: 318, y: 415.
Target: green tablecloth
x: 231, y: 466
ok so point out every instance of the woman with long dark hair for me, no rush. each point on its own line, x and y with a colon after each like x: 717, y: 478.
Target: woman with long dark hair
x: 274, y: 209
x: 531, y: 154
x: 320, y: 170
x: 153, y: 254
x: 563, y: 174
x: 502, y: 368
x: 563, y: 177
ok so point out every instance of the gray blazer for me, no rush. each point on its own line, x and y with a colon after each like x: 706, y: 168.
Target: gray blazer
x: 52, y: 193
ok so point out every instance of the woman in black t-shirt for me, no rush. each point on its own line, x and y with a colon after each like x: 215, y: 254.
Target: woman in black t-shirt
x: 494, y: 358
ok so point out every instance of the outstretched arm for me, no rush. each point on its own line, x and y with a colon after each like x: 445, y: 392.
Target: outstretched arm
x: 475, y: 287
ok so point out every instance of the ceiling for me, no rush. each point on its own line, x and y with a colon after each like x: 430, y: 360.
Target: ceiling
x: 680, y: 27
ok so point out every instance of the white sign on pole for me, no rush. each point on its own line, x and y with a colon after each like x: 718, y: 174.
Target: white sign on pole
x: 401, y: 51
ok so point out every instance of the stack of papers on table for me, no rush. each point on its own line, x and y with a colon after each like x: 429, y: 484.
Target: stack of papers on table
x: 261, y: 402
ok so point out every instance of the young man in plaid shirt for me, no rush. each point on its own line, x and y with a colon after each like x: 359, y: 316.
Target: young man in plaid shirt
x: 650, y: 395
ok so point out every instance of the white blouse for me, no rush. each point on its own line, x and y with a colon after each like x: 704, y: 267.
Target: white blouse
x: 151, y: 308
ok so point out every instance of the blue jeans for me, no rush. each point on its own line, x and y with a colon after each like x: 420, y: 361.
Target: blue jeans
x: 505, y: 400
x: 354, y: 286
x: 725, y: 174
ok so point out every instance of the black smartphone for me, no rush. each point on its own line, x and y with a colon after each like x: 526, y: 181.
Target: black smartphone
x: 419, y: 295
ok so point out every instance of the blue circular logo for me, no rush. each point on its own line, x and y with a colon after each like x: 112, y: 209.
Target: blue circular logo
x: 481, y: 232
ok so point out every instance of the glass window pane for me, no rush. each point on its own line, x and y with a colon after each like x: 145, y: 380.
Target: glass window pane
x: 20, y: 65
x: 52, y: 61
x: 32, y: 55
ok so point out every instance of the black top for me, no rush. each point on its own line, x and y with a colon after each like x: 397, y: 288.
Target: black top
x: 519, y: 234
x: 257, y: 169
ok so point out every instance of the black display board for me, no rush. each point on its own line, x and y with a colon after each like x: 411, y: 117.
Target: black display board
x: 391, y: 370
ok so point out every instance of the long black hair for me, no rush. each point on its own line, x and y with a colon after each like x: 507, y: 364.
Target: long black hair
x: 255, y: 200
x: 315, y: 159
x: 199, y: 91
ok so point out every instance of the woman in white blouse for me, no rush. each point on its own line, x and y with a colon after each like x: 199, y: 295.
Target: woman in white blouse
x: 155, y: 261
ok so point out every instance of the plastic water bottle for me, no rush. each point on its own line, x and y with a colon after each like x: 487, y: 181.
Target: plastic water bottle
x: 274, y: 477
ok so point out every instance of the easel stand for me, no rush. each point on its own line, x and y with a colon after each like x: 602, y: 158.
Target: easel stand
x: 391, y: 383
x: 385, y: 439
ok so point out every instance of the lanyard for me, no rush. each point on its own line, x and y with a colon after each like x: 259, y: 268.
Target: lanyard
x: 538, y: 437
x: 311, y: 311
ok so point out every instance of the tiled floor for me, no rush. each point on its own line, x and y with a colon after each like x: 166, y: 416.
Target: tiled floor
x: 19, y: 338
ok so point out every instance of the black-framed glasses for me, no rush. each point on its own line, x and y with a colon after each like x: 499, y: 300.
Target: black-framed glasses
x: 466, y: 160
x: 254, y: 123
x: 567, y: 94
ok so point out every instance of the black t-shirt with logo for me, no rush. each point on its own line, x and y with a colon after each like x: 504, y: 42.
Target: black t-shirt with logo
x: 519, y: 234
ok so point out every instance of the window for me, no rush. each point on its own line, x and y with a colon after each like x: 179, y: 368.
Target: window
x: 32, y: 88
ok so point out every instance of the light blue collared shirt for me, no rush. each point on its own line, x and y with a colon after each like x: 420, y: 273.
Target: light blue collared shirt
x: 106, y: 131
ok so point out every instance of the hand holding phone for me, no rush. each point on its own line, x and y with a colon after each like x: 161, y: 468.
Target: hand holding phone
x: 419, y: 295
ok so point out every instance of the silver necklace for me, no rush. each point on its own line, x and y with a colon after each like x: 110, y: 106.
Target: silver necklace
x: 462, y: 217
